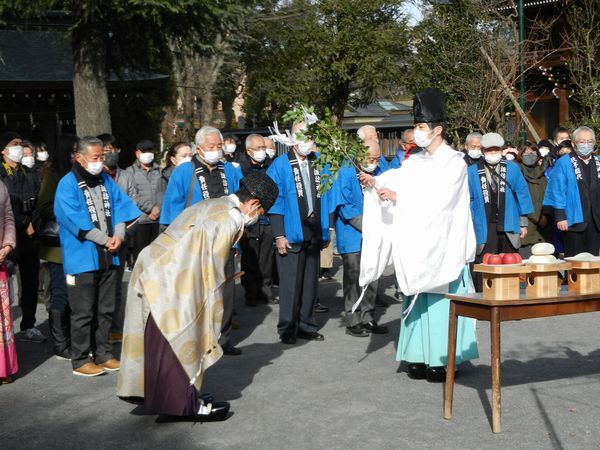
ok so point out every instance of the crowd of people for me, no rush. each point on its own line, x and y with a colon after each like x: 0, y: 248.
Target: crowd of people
x: 88, y: 220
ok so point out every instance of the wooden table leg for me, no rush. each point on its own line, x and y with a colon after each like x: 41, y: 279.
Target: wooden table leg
x: 451, y: 366
x: 495, y: 341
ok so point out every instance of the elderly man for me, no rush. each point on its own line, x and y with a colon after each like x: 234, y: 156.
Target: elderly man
x: 500, y: 201
x: 347, y: 206
x: 175, y: 303
x: 300, y: 222
x: 369, y: 133
x: 91, y: 211
x: 257, y: 243
x: 206, y: 176
x: 472, y: 148
x: 22, y: 187
x: 270, y: 147
x: 573, y: 192
x: 407, y: 148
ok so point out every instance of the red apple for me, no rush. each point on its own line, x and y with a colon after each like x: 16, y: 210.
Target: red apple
x: 509, y: 258
x: 495, y: 259
x: 486, y: 258
x: 519, y: 259
x: 501, y: 255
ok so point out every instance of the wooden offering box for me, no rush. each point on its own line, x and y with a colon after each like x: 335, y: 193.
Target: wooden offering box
x: 542, y: 280
x: 584, y: 277
x: 501, y: 282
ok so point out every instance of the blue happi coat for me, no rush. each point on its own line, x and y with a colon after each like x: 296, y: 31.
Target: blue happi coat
x: 286, y: 204
x: 72, y: 216
x: 563, y: 192
x: 397, y: 160
x: 179, y: 184
x: 346, y: 202
x: 517, y: 201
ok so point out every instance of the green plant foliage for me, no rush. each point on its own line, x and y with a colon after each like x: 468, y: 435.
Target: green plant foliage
x: 336, y: 147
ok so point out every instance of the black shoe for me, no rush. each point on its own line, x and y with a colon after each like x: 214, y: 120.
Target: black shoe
x: 357, y: 331
x: 326, y: 274
x: 217, y: 413
x: 289, y: 339
x: 311, y: 336
x: 274, y: 300
x: 374, y: 328
x: 417, y: 371
x: 230, y: 350
x: 436, y: 374
x: 64, y: 355
x: 319, y: 308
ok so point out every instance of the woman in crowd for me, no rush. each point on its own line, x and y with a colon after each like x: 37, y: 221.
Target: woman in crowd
x: 174, y: 156
x: 58, y: 312
x: 8, y: 240
x: 533, y: 171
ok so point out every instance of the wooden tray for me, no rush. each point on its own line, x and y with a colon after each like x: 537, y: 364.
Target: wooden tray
x: 550, y: 267
x: 506, y: 269
x: 585, y: 264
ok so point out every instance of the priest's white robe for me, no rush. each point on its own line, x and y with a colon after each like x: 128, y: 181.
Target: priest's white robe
x: 428, y: 236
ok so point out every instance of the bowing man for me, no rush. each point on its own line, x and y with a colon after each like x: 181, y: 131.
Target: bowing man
x: 369, y: 133
x: 205, y: 176
x: 500, y: 201
x: 300, y: 225
x: 347, y: 206
x: 573, y: 192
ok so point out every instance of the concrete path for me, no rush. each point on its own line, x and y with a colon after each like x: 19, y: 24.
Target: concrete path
x: 342, y: 393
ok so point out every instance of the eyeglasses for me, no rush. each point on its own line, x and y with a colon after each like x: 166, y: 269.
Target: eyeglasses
x: 585, y: 142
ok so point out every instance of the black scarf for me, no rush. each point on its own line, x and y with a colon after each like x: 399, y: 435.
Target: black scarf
x: 487, y: 191
x: 533, y: 174
x: 200, y: 170
x: 310, y: 227
x: 83, y: 175
x: 85, y: 183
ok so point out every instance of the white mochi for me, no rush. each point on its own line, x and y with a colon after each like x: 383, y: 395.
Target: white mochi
x: 542, y: 259
x: 543, y: 248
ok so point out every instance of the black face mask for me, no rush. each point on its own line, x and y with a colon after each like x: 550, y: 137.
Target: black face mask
x: 111, y: 160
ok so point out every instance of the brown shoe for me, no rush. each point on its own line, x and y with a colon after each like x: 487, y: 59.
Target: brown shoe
x: 89, y: 370
x: 111, y: 365
x: 115, y: 338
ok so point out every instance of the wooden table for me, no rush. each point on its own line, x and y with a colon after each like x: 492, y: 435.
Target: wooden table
x: 495, y: 312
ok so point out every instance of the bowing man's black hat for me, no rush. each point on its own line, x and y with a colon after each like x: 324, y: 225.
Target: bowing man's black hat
x: 261, y: 187
x: 429, y: 106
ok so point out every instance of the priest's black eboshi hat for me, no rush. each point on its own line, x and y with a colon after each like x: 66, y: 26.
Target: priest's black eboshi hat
x: 429, y: 106
x: 261, y: 187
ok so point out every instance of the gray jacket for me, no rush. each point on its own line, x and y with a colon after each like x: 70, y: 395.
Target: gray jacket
x: 125, y: 181
x: 150, y: 186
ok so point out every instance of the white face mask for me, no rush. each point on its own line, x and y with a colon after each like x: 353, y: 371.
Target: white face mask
x: 248, y: 221
x: 28, y: 161
x: 42, y: 156
x: 584, y: 149
x: 270, y: 152
x: 146, y: 157
x: 510, y: 156
x: 229, y: 149
x: 94, y: 168
x: 492, y: 159
x: 474, y: 154
x: 544, y: 151
x: 370, y: 168
x: 213, y: 156
x: 305, y: 148
x: 422, y: 138
x: 183, y: 160
x: 15, y: 153
x: 259, y: 155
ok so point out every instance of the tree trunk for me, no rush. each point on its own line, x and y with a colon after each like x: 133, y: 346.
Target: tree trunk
x: 92, y: 113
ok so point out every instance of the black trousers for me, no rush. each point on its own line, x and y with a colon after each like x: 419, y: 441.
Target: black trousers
x: 92, y: 302
x: 497, y: 242
x: 26, y: 256
x: 352, y: 290
x: 587, y: 240
x: 298, y: 277
x: 257, y: 264
x: 143, y: 236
